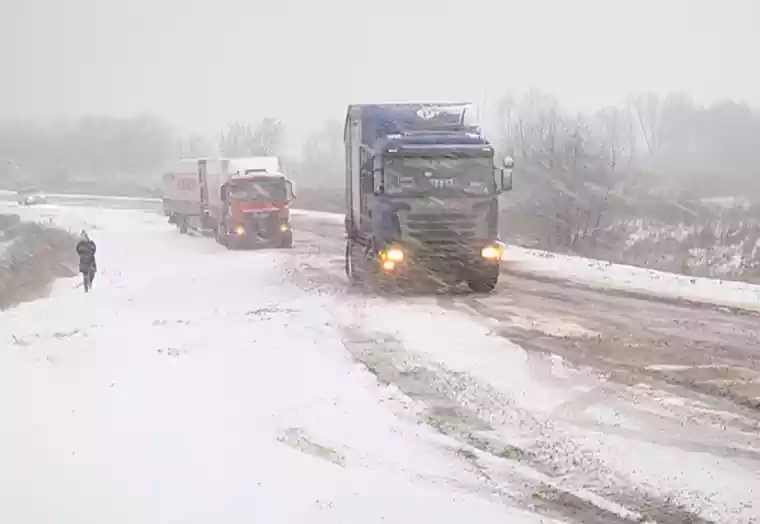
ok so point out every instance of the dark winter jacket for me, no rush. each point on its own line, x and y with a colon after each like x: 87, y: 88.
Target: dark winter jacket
x: 86, y: 251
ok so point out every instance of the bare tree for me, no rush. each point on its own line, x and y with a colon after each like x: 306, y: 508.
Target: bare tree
x: 573, y: 163
x: 196, y: 145
x: 530, y: 126
x: 269, y: 136
x: 615, y: 135
x: 238, y: 140
x: 322, y: 155
x: 647, y: 110
x: 242, y: 139
x: 100, y: 152
x: 508, y: 125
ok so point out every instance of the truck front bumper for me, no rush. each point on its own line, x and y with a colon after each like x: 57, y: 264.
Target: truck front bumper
x: 397, y: 261
x: 244, y: 235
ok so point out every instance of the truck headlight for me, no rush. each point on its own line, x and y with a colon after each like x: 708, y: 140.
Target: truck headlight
x: 394, y: 254
x: 491, y: 253
x: 284, y: 228
x: 389, y: 265
x: 240, y: 230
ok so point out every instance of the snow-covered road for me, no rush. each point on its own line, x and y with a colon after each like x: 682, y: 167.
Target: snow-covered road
x: 201, y: 385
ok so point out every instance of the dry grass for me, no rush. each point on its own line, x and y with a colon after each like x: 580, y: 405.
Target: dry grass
x: 35, y: 256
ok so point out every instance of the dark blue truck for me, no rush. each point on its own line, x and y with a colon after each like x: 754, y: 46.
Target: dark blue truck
x: 422, y: 195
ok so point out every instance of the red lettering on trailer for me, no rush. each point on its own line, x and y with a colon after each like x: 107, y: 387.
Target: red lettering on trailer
x: 186, y: 184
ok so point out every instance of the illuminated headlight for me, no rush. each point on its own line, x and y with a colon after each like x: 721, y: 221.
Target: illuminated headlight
x: 240, y: 230
x: 284, y: 227
x: 491, y: 253
x: 394, y: 254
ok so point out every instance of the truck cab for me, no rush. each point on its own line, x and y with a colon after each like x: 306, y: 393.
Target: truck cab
x: 255, y: 207
x: 422, y: 195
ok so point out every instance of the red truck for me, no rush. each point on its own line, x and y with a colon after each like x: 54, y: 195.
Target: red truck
x: 242, y: 202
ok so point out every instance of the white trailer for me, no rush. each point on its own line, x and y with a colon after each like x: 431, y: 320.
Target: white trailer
x: 192, y: 187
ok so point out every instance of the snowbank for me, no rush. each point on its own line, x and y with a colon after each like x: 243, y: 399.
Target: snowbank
x: 605, y: 275
x: 31, y: 257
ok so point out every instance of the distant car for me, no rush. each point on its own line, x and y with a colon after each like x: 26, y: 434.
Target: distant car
x: 30, y: 199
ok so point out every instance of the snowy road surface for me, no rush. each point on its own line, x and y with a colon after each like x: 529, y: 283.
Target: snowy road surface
x: 200, y: 385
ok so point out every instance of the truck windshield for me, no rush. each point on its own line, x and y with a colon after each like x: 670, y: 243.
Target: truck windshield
x: 443, y: 176
x: 263, y: 190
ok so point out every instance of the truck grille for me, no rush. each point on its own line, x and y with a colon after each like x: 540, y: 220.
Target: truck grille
x: 263, y: 222
x: 440, y: 233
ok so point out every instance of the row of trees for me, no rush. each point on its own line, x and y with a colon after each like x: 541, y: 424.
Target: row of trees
x: 92, y: 147
x: 673, y: 134
x: 598, y: 183
x: 647, y: 133
x: 124, y: 151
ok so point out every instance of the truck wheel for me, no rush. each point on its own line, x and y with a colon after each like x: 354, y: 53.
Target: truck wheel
x: 286, y: 240
x: 182, y: 225
x: 232, y: 242
x: 484, y: 282
x: 220, y: 236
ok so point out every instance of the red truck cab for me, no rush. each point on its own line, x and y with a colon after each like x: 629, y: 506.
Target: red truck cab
x: 256, y: 209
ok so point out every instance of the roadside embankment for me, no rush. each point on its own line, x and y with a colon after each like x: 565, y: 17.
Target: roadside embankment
x: 32, y: 256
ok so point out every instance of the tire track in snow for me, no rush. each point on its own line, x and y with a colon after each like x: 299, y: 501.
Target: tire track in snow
x: 719, y: 433
x: 555, y: 456
x: 542, y: 469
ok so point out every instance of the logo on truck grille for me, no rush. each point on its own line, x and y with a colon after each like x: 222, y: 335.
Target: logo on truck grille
x: 440, y: 183
x: 427, y: 113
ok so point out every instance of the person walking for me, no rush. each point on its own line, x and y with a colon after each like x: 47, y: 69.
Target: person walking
x: 86, y: 250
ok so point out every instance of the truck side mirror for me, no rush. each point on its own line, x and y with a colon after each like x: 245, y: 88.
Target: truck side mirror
x: 502, y: 179
x: 506, y: 180
x: 291, y: 189
x: 504, y: 175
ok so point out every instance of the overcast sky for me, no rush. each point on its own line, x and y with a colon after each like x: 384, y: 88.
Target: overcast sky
x: 202, y: 63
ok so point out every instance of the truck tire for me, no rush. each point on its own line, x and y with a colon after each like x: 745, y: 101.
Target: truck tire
x: 182, y: 225
x: 484, y: 282
x: 221, y: 236
x: 286, y: 240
